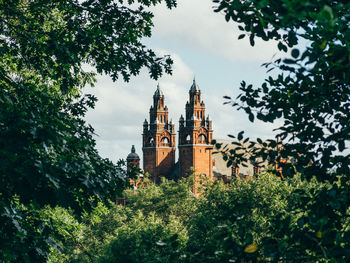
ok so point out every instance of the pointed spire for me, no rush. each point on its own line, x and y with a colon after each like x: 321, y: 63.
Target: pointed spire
x: 194, y: 87
x: 181, y: 118
x: 133, y: 149
x: 145, y: 122
x: 158, y: 92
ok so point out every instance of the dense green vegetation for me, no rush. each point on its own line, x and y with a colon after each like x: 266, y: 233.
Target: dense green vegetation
x: 47, y: 151
x: 310, y: 93
x: 264, y: 219
x: 57, y: 193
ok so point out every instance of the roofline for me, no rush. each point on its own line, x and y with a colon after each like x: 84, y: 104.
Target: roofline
x: 187, y: 145
x: 155, y: 147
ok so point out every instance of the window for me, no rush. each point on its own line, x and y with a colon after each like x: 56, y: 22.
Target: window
x: 202, y: 138
x: 188, y: 139
x: 150, y: 141
x: 164, y: 141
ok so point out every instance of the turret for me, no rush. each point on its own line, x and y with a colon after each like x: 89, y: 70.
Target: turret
x: 133, y: 159
x: 145, y: 126
x: 195, y: 135
x: 158, y: 98
x: 208, y: 123
x: 159, y: 139
x: 194, y: 88
x: 181, y: 121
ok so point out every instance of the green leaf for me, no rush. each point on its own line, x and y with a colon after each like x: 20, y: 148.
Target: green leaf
x: 251, y: 40
x: 295, y: 53
x: 240, y: 135
x: 281, y: 46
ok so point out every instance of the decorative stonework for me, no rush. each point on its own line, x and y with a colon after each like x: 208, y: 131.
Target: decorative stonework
x: 195, y: 135
x: 158, y: 140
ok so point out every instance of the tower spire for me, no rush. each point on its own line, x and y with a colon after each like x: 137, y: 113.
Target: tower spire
x: 195, y: 135
x: 158, y: 139
x: 158, y: 92
x: 194, y: 88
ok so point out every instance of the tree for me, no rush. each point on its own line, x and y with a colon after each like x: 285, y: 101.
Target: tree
x: 263, y: 219
x: 47, y: 151
x: 152, y: 227
x: 311, y: 92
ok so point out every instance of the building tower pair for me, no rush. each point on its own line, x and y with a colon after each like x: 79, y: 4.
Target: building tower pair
x: 195, y: 135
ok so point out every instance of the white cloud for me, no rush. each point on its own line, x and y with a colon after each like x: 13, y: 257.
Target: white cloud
x: 122, y: 108
x: 194, y: 25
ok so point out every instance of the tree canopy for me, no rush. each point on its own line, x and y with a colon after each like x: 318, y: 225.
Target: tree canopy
x: 311, y: 91
x: 264, y: 219
x: 47, y: 151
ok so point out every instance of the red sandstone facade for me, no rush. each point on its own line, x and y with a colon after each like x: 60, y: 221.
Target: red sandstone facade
x: 158, y: 140
x: 195, y: 135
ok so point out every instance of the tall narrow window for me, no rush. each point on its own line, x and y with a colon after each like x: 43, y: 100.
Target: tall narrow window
x: 165, y: 141
x: 150, y: 141
x: 202, y: 138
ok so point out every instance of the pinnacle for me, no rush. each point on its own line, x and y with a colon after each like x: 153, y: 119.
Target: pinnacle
x: 158, y: 92
x: 194, y: 87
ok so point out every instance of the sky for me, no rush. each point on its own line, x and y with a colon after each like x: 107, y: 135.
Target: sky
x: 203, y: 45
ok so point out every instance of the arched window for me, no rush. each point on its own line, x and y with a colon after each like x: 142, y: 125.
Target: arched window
x: 165, y: 141
x: 150, y: 141
x: 202, y: 138
x: 188, y: 138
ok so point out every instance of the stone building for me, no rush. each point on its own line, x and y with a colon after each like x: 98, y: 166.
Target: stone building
x: 158, y: 140
x: 133, y: 159
x: 194, y: 144
x: 195, y: 135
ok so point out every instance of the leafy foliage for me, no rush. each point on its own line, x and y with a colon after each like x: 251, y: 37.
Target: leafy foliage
x: 47, y: 151
x: 270, y: 220
x: 151, y: 228
x: 169, y: 198
x: 263, y: 219
x: 311, y: 92
x: 147, y: 239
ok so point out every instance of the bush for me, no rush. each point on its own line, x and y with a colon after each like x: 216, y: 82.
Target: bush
x: 263, y: 219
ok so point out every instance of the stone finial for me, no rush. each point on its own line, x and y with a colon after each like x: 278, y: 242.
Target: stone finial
x: 158, y: 92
